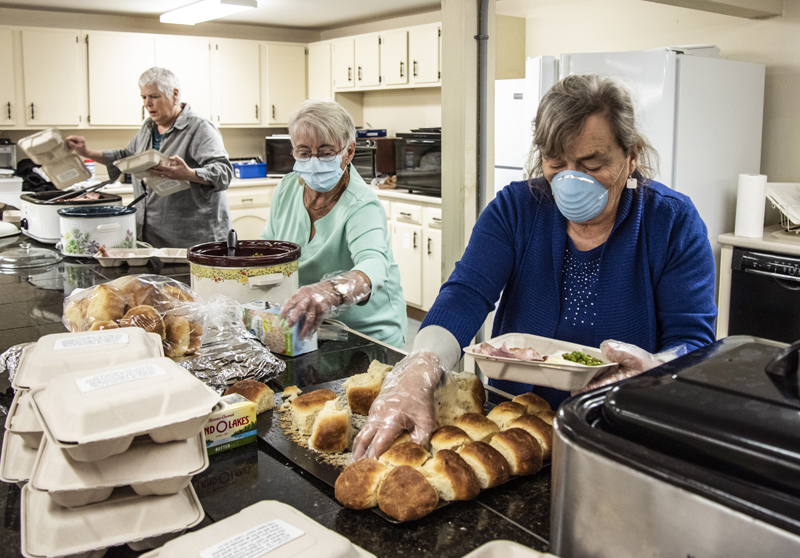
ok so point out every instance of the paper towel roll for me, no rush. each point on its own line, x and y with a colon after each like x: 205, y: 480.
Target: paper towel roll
x: 750, y: 203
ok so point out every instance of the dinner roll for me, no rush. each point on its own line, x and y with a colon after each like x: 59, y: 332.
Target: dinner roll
x: 98, y: 326
x: 478, y: 427
x: 505, y: 412
x: 257, y: 392
x: 136, y: 292
x: 521, y: 450
x: 449, y: 438
x: 451, y: 476
x: 539, y: 429
x: 357, y: 487
x: 106, y: 304
x: 75, y: 314
x: 291, y: 392
x: 489, y: 465
x: 306, y: 407
x: 362, y: 389
x: 408, y: 453
x: 547, y: 416
x: 178, y: 335
x: 195, y: 338
x: 470, y: 384
x: 405, y: 436
x: 405, y: 494
x: 145, y: 317
x: 331, y: 431
x: 533, y: 403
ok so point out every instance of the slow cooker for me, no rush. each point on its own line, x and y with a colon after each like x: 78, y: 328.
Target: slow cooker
x: 39, y: 217
x: 85, y: 229
x: 698, y: 457
x: 259, y: 270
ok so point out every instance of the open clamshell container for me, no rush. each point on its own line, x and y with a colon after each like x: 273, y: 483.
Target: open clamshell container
x: 22, y: 421
x: 148, y: 468
x: 139, y: 164
x: 62, y: 353
x: 97, y: 413
x: 132, y: 256
x: 560, y: 375
x: 16, y: 460
x: 268, y: 528
x: 50, y: 530
x: 45, y: 147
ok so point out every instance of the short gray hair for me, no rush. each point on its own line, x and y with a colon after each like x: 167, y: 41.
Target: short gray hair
x: 567, y: 105
x: 164, y: 79
x: 324, y: 121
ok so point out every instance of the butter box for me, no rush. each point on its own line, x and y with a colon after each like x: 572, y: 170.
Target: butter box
x: 264, y: 321
x: 231, y: 424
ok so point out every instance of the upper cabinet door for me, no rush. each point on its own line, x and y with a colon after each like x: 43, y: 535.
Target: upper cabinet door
x: 343, y: 66
x: 237, y: 82
x: 116, y: 60
x: 394, y: 57
x: 320, y: 81
x: 52, y: 72
x: 286, y: 76
x: 189, y: 59
x: 368, y: 67
x: 8, y: 100
x: 424, y: 54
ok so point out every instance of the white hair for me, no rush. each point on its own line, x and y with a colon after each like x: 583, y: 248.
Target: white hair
x: 164, y: 79
x: 324, y: 121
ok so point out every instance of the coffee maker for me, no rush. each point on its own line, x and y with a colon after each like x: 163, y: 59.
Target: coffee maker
x: 8, y: 154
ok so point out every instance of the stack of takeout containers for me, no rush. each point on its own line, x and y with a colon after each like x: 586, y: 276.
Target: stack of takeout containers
x: 121, y: 441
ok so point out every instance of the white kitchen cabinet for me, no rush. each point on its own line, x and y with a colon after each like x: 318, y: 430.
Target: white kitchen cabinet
x: 236, y: 91
x: 8, y: 99
x: 189, y: 59
x: 343, y: 63
x: 431, y: 255
x: 249, y: 207
x: 52, y: 70
x: 368, y: 61
x: 116, y: 60
x: 394, y: 57
x: 424, y: 47
x: 407, y: 250
x: 249, y: 223
x: 320, y: 80
x: 286, y: 81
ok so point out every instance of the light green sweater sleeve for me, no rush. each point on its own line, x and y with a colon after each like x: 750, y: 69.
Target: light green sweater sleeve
x: 365, y: 236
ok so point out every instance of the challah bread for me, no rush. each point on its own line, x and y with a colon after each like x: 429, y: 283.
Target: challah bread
x: 357, y: 486
x: 539, y: 429
x: 505, y: 412
x: 547, y: 416
x: 405, y: 494
x: 408, y: 453
x: 449, y: 438
x: 521, y: 450
x: 331, y: 431
x: 478, y: 427
x: 451, y: 476
x: 490, y: 467
x: 257, y: 392
x: 306, y: 407
x: 362, y: 389
x: 145, y: 317
x: 533, y: 403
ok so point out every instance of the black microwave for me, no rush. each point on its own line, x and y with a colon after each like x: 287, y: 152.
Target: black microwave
x: 418, y: 160
x: 279, y: 155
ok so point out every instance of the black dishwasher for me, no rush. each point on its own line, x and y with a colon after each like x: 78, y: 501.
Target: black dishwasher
x: 765, y: 295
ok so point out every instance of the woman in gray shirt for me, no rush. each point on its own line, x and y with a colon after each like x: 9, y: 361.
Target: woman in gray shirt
x: 188, y: 217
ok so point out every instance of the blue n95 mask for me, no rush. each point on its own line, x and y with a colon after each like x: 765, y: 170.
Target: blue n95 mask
x: 319, y: 175
x: 579, y: 197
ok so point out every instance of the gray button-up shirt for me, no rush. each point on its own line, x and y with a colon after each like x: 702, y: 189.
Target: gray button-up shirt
x: 194, y: 216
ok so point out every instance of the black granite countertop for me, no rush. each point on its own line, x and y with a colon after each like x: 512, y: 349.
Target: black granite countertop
x: 31, y: 306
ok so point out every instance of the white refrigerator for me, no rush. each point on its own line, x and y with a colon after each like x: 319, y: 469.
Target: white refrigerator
x: 703, y: 114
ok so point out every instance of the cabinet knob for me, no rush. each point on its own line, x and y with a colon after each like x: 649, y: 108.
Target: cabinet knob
x: 429, y: 246
x: 401, y: 68
x: 349, y: 73
x: 359, y: 73
x: 415, y: 240
x: 31, y: 111
x: 415, y: 68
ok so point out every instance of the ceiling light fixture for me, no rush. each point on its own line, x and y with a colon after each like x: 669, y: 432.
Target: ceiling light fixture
x: 205, y: 10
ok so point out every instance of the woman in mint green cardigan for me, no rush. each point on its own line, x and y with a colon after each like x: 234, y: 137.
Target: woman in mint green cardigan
x: 347, y: 268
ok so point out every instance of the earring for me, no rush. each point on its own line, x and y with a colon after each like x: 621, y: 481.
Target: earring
x: 631, y: 183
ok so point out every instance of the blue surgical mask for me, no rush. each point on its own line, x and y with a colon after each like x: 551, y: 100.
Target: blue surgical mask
x: 579, y: 196
x: 319, y: 175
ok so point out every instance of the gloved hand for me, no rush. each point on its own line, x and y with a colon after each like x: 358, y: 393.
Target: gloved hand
x: 405, y: 403
x: 632, y: 361
x: 330, y: 297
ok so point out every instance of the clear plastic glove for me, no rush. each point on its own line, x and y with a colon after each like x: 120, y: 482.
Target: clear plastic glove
x: 632, y: 361
x: 406, y: 402
x: 334, y: 294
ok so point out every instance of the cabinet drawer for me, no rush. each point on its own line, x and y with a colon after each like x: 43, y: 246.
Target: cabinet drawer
x: 249, y: 197
x: 387, y: 208
x: 432, y: 217
x: 406, y: 213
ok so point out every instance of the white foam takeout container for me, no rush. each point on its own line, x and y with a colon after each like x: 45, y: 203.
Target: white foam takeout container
x: 141, y: 522
x: 95, y: 414
x: 63, y: 353
x: 138, y: 166
x: 559, y: 375
x: 172, y: 255
x: 22, y: 421
x: 505, y: 549
x: 257, y: 531
x: 148, y: 468
x: 139, y: 256
x: 16, y: 459
x: 45, y: 147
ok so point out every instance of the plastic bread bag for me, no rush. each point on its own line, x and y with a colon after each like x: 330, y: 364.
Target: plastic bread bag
x: 229, y: 352
x: 153, y: 302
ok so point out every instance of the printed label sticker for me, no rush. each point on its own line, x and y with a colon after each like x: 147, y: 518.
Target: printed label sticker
x: 115, y: 377
x: 254, y: 542
x: 90, y: 341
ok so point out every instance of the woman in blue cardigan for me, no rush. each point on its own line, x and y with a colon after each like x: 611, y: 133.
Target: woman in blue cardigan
x: 590, y: 249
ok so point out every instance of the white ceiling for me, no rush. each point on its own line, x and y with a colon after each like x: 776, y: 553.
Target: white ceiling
x: 306, y: 14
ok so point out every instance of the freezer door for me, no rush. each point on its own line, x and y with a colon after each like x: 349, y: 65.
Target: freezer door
x: 512, y: 131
